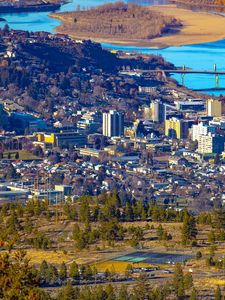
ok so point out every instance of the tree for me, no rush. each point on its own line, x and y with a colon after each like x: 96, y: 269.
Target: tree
x: 141, y: 288
x: 17, y: 155
x: 198, y: 255
x: 11, y: 173
x: 43, y: 270
x: 63, y: 272
x: 178, y: 280
x: 109, y: 289
x: 74, y: 271
x: 188, y: 281
x: 193, y: 295
x: 123, y: 293
x: 211, y: 237
x: 137, y: 235
x: 84, y: 213
x: 218, y: 294
x: 68, y: 292
x: 18, y: 277
x: 189, y: 229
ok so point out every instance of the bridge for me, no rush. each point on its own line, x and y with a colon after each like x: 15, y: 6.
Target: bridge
x: 181, y: 71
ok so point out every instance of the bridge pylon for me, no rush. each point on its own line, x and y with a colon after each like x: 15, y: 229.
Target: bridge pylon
x: 217, y: 81
x: 214, y: 67
x: 182, y: 79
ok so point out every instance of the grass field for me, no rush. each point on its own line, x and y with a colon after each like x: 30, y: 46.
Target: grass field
x: 23, y: 155
x: 37, y: 256
x: 118, y: 266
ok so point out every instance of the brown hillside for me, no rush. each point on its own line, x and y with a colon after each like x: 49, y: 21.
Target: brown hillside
x: 202, y: 2
x: 118, y: 21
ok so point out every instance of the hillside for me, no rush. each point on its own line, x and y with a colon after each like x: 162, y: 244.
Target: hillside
x: 201, y: 3
x: 118, y: 21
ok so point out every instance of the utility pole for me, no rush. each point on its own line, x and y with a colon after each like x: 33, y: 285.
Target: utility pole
x: 56, y: 209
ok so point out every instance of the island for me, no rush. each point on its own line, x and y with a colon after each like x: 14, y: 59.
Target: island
x: 154, y: 26
x: 118, y: 23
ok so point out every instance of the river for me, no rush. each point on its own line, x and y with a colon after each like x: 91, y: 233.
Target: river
x: 201, y: 57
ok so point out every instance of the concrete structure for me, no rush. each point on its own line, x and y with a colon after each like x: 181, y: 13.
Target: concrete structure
x: 158, y: 111
x: 201, y: 129
x: 71, y: 138
x: 22, y: 121
x: 65, y: 189
x: 91, y: 152
x: 211, y: 143
x: 176, y: 129
x: 214, y: 108
x: 113, y: 124
x: 10, y: 196
x: 191, y: 105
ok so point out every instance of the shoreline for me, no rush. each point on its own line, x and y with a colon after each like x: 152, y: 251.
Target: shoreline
x: 198, y: 28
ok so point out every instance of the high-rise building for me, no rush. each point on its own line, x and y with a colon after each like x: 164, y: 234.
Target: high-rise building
x: 201, y: 129
x: 158, y: 111
x: 113, y: 124
x: 211, y: 143
x: 214, y: 108
x: 176, y: 129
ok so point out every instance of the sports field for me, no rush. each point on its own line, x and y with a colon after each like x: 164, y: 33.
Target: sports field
x: 154, y: 257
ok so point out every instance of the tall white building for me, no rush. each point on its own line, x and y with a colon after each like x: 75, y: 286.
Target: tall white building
x: 211, y: 143
x: 201, y: 129
x: 113, y: 124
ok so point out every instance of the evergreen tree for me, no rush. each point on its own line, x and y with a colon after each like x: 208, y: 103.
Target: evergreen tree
x: 188, y: 281
x: 68, y: 292
x: 43, y: 270
x: 63, y: 272
x: 17, y: 156
x: 18, y: 280
x: 74, y: 271
x: 123, y: 293
x: 218, y: 294
x: 189, y: 229
x: 110, y: 292
x: 178, y: 281
x: 193, y: 295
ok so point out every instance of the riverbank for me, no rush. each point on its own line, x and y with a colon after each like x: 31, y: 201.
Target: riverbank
x: 198, y: 27
x: 29, y: 7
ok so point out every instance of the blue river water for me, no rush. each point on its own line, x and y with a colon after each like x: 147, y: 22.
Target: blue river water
x: 198, y: 57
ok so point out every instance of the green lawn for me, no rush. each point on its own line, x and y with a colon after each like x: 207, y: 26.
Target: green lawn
x: 23, y: 155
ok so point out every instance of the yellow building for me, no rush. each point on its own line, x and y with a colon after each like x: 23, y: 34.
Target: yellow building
x: 176, y: 129
x: 47, y: 138
x: 62, y: 139
x: 214, y: 108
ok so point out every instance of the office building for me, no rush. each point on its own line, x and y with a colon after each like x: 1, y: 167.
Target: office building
x: 158, y: 111
x: 214, y: 108
x: 176, y: 129
x: 113, y: 124
x: 191, y: 105
x: 201, y: 129
x: 70, y: 138
x: 211, y: 143
x: 22, y: 121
